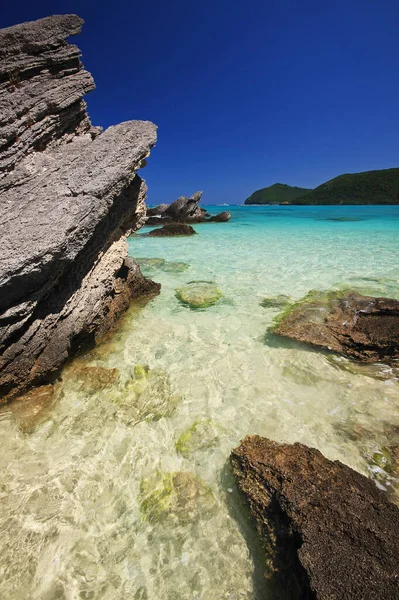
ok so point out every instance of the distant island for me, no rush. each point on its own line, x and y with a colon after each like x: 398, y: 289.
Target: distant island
x: 276, y: 194
x: 369, y: 187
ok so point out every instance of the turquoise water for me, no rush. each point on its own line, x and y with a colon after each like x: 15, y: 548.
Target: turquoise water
x: 73, y: 520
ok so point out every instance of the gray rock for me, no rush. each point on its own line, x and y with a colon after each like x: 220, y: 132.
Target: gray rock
x: 65, y: 211
x: 183, y: 208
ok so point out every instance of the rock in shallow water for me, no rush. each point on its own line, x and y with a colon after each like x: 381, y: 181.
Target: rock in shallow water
x: 173, y: 229
x: 199, y: 294
x: 328, y: 531
x: 360, y: 327
x: 69, y: 198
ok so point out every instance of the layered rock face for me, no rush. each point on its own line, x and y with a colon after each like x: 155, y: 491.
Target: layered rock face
x: 329, y: 533
x: 69, y: 197
x: 360, y: 327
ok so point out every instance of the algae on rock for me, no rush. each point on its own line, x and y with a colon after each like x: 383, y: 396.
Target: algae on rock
x: 179, y: 497
x: 148, y: 396
x: 202, y: 434
x: 361, y: 327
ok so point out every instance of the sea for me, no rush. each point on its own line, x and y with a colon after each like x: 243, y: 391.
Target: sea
x: 104, y: 501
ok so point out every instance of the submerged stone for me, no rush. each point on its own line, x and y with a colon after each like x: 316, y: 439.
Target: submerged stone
x: 360, y: 327
x: 199, y: 294
x: 199, y: 436
x: 91, y: 379
x: 178, y: 497
x: 150, y: 264
x: 275, y: 301
x: 301, y: 375
x: 327, y: 530
x: 376, y: 370
x: 32, y: 408
x: 148, y: 396
x: 175, y: 267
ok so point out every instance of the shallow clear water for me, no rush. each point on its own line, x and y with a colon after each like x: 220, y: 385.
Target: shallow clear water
x: 73, y: 523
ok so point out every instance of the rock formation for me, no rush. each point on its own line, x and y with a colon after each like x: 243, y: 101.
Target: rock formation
x: 183, y: 210
x: 360, y: 327
x: 173, y: 229
x: 69, y: 198
x: 328, y: 531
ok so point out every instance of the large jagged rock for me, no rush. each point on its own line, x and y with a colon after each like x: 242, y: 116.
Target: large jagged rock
x: 360, y: 327
x: 329, y: 533
x: 41, y: 87
x: 66, y: 211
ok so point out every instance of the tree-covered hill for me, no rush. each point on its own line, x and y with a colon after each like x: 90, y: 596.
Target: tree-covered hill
x: 369, y: 187
x: 277, y: 193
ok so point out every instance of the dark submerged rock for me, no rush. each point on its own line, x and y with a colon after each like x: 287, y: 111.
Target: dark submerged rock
x: 173, y: 229
x: 69, y: 198
x: 328, y: 532
x: 360, y: 327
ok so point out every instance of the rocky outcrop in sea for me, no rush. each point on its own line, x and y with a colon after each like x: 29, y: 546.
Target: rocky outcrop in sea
x: 183, y: 210
x: 70, y: 195
x: 328, y: 532
x: 360, y: 327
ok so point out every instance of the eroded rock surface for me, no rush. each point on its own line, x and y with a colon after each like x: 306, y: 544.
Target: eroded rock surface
x: 327, y: 530
x: 69, y: 198
x: 360, y: 327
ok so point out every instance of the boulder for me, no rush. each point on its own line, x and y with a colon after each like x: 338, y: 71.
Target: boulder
x: 199, y: 294
x: 328, y: 531
x: 173, y: 229
x: 69, y: 197
x: 360, y: 327
x: 221, y: 217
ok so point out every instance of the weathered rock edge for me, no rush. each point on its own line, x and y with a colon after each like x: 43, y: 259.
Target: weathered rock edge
x: 329, y: 533
x: 69, y: 197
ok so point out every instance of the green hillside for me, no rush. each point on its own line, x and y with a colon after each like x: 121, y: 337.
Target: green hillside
x: 370, y: 187
x: 279, y: 192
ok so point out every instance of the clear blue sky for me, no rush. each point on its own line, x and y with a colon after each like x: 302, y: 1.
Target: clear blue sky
x: 245, y: 93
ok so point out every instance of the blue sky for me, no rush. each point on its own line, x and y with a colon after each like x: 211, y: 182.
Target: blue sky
x: 245, y: 94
